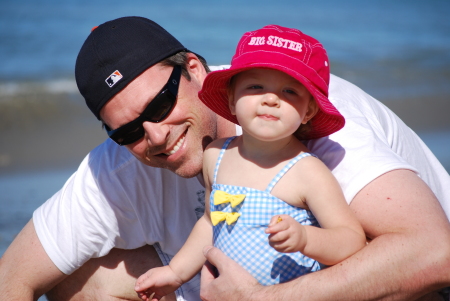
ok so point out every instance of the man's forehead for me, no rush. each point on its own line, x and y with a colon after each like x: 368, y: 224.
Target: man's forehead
x: 146, y: 84
x: 138, y: 93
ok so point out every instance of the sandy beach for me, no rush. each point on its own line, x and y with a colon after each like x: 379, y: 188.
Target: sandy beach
x: 41, y: 130
x: 45, y: 131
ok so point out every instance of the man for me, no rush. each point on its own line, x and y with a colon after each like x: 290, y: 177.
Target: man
x: 129, y: 208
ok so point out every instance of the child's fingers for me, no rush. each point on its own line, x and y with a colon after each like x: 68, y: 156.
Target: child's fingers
x: 141, y: 280
x: 273, y: 229
x: 149, y: 295
x: 275, y: 220
x: 277, y: 242
x: 278, y: 237
x: 277, y: 246
x: 143, y: 283
x: 144, y: 295
x: 277, y: 224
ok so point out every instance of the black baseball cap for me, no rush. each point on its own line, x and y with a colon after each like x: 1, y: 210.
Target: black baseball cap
x: 115, y: 53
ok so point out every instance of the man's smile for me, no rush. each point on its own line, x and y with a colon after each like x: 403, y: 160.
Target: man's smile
x: 177, y: 146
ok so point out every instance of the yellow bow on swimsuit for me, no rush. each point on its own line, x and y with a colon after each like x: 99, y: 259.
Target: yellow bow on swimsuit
x: 219, y: 216
x: 221, y: 197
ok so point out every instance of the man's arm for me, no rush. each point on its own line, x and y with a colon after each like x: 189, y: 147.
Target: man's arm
x: 409, y: 254
x: 26, y: 271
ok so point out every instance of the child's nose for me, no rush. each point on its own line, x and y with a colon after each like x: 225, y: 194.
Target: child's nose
x: 271, y: 99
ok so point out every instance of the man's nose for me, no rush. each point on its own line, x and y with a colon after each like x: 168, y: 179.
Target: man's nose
x: 156, y: 133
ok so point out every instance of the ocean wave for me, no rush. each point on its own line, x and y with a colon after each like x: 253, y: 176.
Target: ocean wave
x: 58, y: 86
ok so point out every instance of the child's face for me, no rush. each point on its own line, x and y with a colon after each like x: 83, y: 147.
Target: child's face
x: 270, y: 104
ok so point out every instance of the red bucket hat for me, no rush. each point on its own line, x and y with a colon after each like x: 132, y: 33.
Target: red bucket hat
x: 287, y: 50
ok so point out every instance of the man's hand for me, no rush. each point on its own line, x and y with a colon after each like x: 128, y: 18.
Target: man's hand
x: 286, y: 234
x: 229, y: 281
x: 157, y: 283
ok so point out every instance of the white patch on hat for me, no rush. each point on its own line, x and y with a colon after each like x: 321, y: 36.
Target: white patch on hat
x: 113, y: 78
x: 326, y: 63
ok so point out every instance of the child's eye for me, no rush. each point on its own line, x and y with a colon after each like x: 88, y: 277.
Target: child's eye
x: 254, y: 87
x: 290, y: 91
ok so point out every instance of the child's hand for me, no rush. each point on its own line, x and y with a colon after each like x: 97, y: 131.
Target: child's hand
x: 286, y: 234
x: 158, y: 281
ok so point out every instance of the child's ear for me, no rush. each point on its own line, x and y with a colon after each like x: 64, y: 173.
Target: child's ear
x: 313, y: 108
x: 231, y: 103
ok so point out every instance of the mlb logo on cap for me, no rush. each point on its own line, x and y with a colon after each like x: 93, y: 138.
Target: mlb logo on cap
x: 113, y: 78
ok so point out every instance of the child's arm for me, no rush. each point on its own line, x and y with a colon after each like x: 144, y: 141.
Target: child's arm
x: 186, y: 263
x: 340, y: 235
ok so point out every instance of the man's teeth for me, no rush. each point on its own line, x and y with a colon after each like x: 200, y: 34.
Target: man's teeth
x: 176, y: 147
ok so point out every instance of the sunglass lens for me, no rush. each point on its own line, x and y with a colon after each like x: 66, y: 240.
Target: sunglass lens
x: 129, y: 135
x: 160, y: 107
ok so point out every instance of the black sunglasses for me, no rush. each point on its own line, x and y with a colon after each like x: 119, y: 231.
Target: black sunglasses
x: 157, y: 110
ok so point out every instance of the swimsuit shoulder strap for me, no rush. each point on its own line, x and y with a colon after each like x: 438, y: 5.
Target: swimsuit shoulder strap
x: 285, y: 169
x: 219, y: 159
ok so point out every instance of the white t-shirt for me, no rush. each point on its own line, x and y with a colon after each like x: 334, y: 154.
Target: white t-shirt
x: 113, y: 200
x: 374, y: 141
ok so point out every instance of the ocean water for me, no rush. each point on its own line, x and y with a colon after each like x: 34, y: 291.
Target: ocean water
x: 395, y: 50
x: 402, y: 46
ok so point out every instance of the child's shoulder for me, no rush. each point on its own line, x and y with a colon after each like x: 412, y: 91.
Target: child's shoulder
x: 310, y: 167
x: 216, y: 144
x: 213, y: 149
x: 308, y: 159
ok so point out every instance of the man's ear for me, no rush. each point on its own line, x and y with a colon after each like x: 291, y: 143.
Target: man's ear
x: 313, y: 108
x: 195, y: 67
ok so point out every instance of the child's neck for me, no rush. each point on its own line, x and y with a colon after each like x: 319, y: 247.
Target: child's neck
x: 267, y: 152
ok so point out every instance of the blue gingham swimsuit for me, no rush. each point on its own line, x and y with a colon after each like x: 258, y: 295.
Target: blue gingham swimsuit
x: 246, y: 242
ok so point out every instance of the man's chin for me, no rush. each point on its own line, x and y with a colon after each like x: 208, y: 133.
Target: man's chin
x: 187, y: 173
x: 184, y: 171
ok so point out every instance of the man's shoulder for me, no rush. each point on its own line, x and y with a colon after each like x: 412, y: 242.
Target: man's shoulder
x: 341, y: 88
x: 351, y: 101
x: 108, y: 156
x: 109, y: 163
x: 118, y: 175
